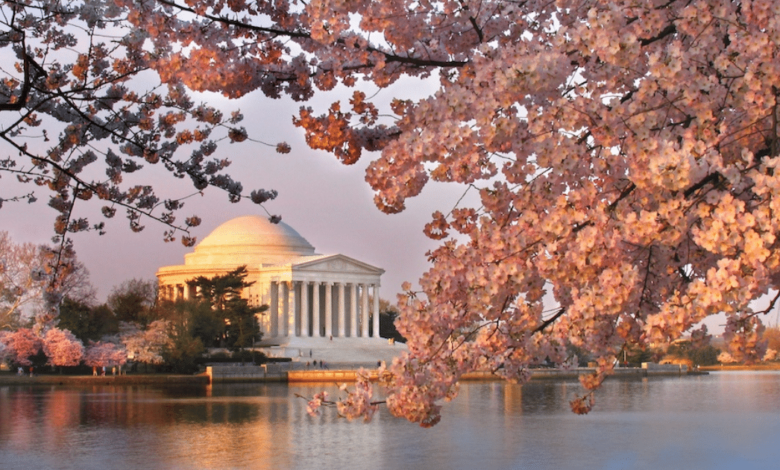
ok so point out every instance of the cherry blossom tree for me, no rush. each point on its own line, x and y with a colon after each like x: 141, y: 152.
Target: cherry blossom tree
x: 146, y: 345
x: 104, y: 354
x: 18, y: 286
x: 623, y: 154
x: 70, y: 106
x: 21, y: 345
x: 624, y: 158
x: 62, y: 348
x: 5, y: 351
x: 29, y: 286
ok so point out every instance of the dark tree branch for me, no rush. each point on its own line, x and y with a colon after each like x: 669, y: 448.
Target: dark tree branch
x: 307, y: 35
x: 669, y: 30
x: 713, y: 178
x: 623, y: 194
x: 549, y: 321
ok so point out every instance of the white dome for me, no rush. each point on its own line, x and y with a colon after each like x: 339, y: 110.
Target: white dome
x: 251, y: 240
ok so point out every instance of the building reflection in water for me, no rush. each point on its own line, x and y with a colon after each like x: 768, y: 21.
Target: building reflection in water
x: 207, y: 427
x: 691, y: 422
x: 149, y: 418
x: 234, y: 425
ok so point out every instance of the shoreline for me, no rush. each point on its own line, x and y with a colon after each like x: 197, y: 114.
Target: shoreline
x: 134, y: 379
x: 323, y: 376
x: 742, y: 367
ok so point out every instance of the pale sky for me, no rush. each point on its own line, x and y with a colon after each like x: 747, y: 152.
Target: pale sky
x: 328, y: 203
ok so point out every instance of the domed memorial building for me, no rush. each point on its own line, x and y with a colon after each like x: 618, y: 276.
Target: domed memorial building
x: 310, y: 296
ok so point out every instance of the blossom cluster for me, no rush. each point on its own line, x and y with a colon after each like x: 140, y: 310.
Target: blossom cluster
x: 626, y: 159
x: 146, y: 345
x: 625, y: 156
x: 34, y: 279
x: 82, y: 112
x: 62, y: 348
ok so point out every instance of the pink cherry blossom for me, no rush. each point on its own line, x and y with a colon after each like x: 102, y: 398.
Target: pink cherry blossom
x: 101, y: 354
x: 624, y: 155
x: 146, y: 345
x: 21, y: 345
x: 62, y: 348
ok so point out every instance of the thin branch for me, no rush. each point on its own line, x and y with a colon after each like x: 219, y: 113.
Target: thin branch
x: 549, y: 321
x: 307, y: 35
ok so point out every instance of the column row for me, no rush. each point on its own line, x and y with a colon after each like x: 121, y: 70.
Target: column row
x: 175, y: 292
x: 322, y: 309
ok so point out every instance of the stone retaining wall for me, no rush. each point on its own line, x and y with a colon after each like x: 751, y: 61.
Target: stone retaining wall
x: 282, y: 373
x: 326, y: 376
x: 274, y: 372
x: 652, y: 368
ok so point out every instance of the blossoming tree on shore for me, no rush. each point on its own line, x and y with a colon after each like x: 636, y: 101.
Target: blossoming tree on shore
x: 80, y: 112
x: 624, y: 155
x: 21, y: 345
x: 62, y: 348
x: 28, y: 280
x: 105, y: 354
x: 146, y: 345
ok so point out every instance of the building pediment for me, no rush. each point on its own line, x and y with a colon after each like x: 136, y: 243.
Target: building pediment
x: 335, y: 264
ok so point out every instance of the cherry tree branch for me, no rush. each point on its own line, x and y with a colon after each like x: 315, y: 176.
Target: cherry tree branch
x: 389, y: 57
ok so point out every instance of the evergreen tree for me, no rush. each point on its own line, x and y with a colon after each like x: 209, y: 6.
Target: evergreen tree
x: 134, y: 301
x: 223, y: 294
x: 86, y: 322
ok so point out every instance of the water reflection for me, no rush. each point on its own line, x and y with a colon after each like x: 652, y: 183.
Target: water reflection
x: 692, y: 422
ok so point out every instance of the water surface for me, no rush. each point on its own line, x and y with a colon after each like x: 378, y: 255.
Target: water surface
x: 720, y: 421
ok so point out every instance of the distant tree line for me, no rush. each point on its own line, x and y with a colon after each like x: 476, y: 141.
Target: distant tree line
x: 133, y: 326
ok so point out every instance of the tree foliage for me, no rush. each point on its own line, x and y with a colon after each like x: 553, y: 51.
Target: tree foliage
x: 223, y: 294
x: 219, y: 291
x: 387, y: 316
x: 105, y: 354
x: 623, y: 154
x: 87, y: 322
x: 185, y: 320
x: 698, y: 354
x: 181, y: 354
x: 62, y: 348
x: 34, y: 279
x: 146, y: 345
x: 772, y: 337
x: 21, y: 346
x: 207, y: 324
x: 134, y: 301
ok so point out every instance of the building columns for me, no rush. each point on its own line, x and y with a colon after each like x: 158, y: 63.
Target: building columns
x: 342, y: 328
x: 284, y: 321
x: 315, y: 297
x: 376, y: 311
x: 293, y: 324
x: 353, y: 311
x: 305, y: 309
x: 274, y: 309
x: 301, y: 315
x: 328, y: 310
x: 364, y: 311
x: 290, y: 315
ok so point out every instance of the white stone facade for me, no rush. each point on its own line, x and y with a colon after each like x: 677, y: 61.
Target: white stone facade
x: 309, y: 295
